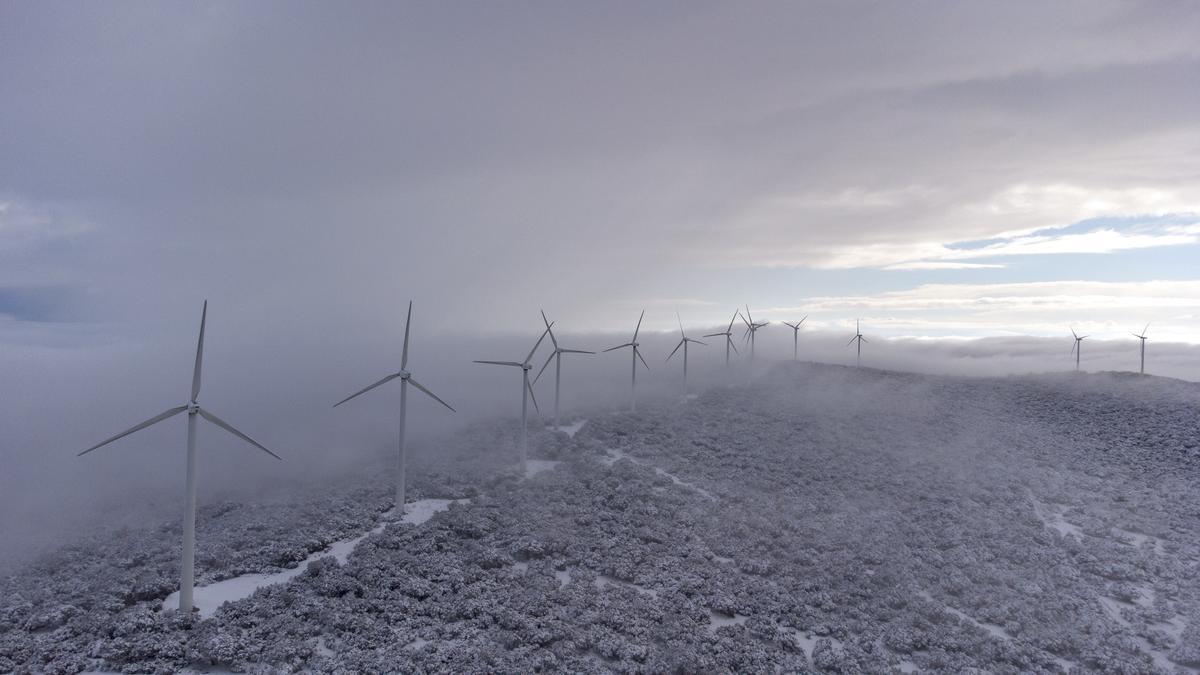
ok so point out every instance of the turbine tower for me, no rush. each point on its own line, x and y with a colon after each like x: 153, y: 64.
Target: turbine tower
x: 683, y: 342
x: 192, y: 408
x: 858, y: 337
x: 751, y: 330
x: 526, y: 391
x: 1077, y: 348
x: 1143, y: 338
x: 637, y: 355
x: 556, y: 356
x: 728, y: 334
x: 795, y: 335
x: 405, y: 380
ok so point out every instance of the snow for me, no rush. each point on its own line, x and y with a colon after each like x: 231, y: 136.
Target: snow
x: 208, y: 598
x: 945, y: 524
x: 615, y: 456
x: 535, y: 466
x: 572, y: 429
x: 717, y: 620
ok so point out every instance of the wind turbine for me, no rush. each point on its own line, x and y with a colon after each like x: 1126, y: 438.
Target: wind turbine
x: 193, y: 409
x: 751, y: 330
x: 1077, y: 348
x: 683, y: 342
x: 1143, y: 338
x: 637, y: 354
x: 556, y: 356
x: 405, y: 380
x: 728, y: 337
x: 526, y: 391
x: 858, y: 337
x: 795, y: 335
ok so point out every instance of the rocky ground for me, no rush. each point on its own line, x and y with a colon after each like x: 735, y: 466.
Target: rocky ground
x: 819, y: 519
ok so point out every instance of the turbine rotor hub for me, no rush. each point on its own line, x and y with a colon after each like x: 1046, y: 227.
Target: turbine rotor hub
x: 404, y: 374
x: 193, y: 408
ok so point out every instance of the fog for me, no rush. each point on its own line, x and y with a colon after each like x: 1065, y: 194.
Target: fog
x: 277, y: 381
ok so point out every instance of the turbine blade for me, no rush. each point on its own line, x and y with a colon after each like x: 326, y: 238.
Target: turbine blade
x: 627, y: 344
x: 199, y: 354
x: 364, y: 390
x: 639, y: 326
x: 537, y: 344
x: 1073, y: 334
x: 547, y: 322
x: 743, y: 319
x: 698, y: 342
x: 1073, y: 346
x: 731, y: 344
x: 804, y: 319
x: 407, y: 323
x: 675, y: 350
x: 637, y: 352
x: 153, y: 420
x: 851, y: 340
x: 226, y: 426
x: 736, y: 314
x: 1145, y: 329
x: 430, y: 394
x: 504, y: 363
x: 748, y: 316
x: 533, y: 398
x: 712, y: 335
x: 680, y: 323
x: 864, y: 339
x: 577, y: 351
x: 548, y: 360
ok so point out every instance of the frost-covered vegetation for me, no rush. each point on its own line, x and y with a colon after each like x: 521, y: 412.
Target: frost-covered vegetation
x: 821, y: 518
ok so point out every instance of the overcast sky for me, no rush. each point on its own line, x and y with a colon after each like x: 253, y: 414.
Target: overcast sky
x: 943, y: 170
x: 937, y: 168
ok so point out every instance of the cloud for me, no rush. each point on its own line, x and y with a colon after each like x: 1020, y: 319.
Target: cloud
x: 941, y: 265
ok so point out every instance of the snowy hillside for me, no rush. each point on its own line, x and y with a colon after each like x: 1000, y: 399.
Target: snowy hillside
x: 820, y: 518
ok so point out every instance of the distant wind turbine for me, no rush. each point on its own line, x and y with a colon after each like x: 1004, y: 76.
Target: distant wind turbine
x: 405, y: 380
x: 556, y: 356
x: 637, y: 355
x: 1143, y: 338
x: 795, y: 335
x: 858, y: 337
x: 751, y: 330
x: 526, y: 391
x: 683, y: 342
x: 1077, y: 348
x: 192, y: 408
x: 728, y: 337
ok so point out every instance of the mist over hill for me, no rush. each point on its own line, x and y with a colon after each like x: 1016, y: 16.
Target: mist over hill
x: 818, y: 517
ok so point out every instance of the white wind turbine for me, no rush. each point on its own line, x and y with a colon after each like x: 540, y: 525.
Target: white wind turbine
x: 683, y: 342
x: 728, y: 334
x: 193, y: 409
x: 405, y: 380
x: 795, y: 335
x: 1077, y: 348
x: 556, y: 356
x: 526, y: 392
x: 858, y: 337
x: 637, y: 354
x: 751, y: 330
x: 1143, y: 338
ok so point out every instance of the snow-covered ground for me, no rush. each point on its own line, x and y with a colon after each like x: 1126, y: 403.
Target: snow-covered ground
x: 209, y: 597
x: 819, y: 518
